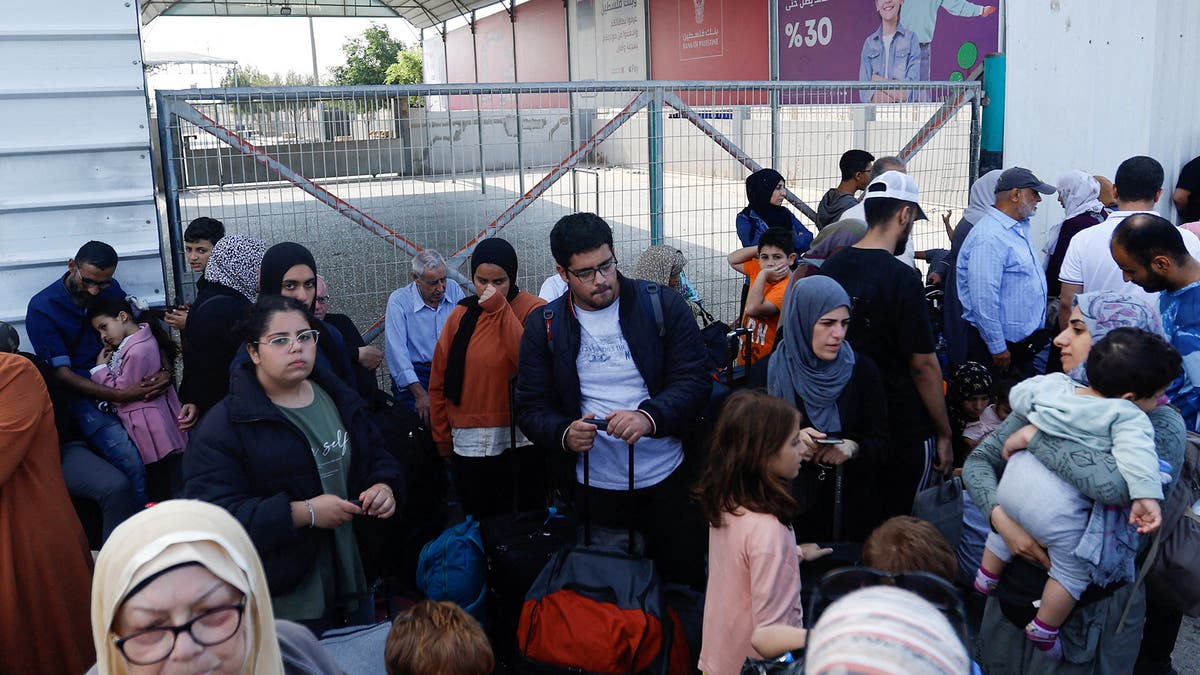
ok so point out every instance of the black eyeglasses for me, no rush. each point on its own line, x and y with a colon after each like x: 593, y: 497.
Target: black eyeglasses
x: 208, y: 628
x: 92, y: 283
x: 605, y: 268
x: 936, y: 590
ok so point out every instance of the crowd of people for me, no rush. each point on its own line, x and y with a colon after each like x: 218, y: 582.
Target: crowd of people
x: 255, y: 508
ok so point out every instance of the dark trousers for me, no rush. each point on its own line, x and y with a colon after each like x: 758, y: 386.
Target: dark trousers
x: 91, y: 477
x: 669, y: 521
x: 484, y: 485
x: 403, y: 395
x: 905, y: 472
x: 1158, y: 639
x: 1022, y: 357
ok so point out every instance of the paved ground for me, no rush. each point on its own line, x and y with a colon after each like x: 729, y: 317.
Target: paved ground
x: 363, y: 270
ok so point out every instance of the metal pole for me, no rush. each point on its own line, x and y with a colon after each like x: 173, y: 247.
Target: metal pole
x: 449, y: 113
x: 478, y: 109
x: 312, y: 40
x: 571, y: 110
x: 773, y: 40
x: 171, y: 186
x: 654, y: 123
x: 512, y: 20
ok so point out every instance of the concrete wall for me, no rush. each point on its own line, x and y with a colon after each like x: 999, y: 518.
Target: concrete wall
x: 74, y: 147
x: 1093, y: 82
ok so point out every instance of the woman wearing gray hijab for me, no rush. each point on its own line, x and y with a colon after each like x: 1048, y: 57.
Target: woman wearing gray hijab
x: 840, y: 394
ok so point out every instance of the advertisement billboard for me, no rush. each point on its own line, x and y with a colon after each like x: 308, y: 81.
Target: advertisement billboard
x: 884, y: 40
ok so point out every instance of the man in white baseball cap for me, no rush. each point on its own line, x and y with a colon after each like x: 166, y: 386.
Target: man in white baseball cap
x: 889, y: 322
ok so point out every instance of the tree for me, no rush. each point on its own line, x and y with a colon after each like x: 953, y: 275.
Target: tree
x: 368, y: 57
x: 249, y: 76
x: 408, y: 68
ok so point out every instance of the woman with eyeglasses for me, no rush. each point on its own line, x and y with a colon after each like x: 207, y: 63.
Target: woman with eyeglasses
x: 1101, y: 634
x: 179, y: 588
x: 293, y: 456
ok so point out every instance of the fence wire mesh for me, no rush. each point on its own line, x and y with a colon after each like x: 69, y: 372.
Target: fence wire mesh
x: 364, y: 176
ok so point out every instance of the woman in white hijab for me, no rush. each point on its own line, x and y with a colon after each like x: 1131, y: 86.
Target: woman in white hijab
x: 179, y: 588
x: 1079, y: 194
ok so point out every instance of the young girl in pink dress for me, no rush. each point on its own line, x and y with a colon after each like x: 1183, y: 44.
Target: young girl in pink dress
x: 753, y: 559
x: 132, y: 351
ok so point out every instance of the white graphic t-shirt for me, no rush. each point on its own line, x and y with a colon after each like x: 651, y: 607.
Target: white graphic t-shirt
x: 609, y: 380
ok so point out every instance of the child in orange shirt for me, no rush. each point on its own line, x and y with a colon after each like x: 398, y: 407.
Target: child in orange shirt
x: 768, y: 265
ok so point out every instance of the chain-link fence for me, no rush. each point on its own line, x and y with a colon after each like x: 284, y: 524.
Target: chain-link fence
x: 364, y: 176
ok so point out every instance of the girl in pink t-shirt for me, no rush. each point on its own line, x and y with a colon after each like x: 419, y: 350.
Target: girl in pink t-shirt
x: 753, y: 559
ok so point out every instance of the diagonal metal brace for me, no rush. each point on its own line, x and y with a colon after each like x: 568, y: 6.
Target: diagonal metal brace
x: 936, y: 121
x: 686, y: 112
x: 354, y: 214
x: 640, y: 101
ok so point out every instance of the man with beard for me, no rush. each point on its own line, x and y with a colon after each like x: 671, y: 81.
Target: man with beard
x: 1000, y: 281
x: 889, y: 321
x: 1152, y: 254
x: 61, y: 334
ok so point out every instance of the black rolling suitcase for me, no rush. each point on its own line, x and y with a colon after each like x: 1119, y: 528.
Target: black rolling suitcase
x: 517, y: 545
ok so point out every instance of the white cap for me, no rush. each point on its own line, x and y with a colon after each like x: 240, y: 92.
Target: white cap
x: 897, y: 186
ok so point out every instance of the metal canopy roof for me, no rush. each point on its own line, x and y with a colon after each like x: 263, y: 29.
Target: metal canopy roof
x: 420, y: 13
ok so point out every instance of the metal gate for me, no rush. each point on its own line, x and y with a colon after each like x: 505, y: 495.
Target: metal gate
x: 367, y: 176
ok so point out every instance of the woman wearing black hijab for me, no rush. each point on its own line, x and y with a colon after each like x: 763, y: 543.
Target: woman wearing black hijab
x: 475, y: 358
x: 289, y: 269
x: 765, y: 192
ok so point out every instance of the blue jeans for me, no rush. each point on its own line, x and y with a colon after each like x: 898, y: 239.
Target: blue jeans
x: 403, y: 395
x: 88, y: 476
x: 105, y: 433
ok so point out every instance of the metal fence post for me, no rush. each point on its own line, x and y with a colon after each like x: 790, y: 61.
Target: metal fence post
x: 166, y: 140
x: 512, y: 21
x: 478, y: 111
x: 773, y: 39
x: 654, y: 123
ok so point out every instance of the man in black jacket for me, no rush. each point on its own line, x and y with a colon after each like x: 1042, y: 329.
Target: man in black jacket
x: 627, y: 352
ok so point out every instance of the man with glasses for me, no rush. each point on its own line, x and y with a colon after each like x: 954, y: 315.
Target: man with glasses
x: 628, y: 353
x: 1001, y: 282
x: 61, y: 335
x: 415, y: 316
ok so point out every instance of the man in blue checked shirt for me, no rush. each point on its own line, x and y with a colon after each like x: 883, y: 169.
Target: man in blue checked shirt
x: 1000, y: 283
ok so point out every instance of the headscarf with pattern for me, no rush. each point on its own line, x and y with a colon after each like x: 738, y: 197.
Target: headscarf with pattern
x: 1104, y: 311
x: 658, y: 264
x: 235, y: 263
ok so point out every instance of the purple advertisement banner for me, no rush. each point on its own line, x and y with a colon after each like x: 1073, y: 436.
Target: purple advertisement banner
x: 864, y: 40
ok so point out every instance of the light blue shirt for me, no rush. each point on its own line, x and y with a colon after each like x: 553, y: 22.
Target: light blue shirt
x: 1000, y: 283
x: 412, y: 329
x: 921, y: 15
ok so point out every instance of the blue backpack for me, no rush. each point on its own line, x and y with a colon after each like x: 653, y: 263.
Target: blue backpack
x: 452, y: 568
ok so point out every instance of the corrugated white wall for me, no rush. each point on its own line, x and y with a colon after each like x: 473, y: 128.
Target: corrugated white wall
x: 1093, y: 82
x: 74, y: 147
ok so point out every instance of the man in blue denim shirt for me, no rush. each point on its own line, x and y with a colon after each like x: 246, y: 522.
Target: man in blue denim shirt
x: 1000, y: 282
x: 60, y: 333
x: 891, y: 53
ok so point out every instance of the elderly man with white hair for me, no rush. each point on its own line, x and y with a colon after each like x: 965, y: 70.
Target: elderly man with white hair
x: 415, y: 316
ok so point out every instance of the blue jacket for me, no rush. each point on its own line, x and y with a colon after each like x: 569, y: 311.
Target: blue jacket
x: 548, y: 396
x: 903, y: 63
x: 249, y: 459
x: 750, y: 228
